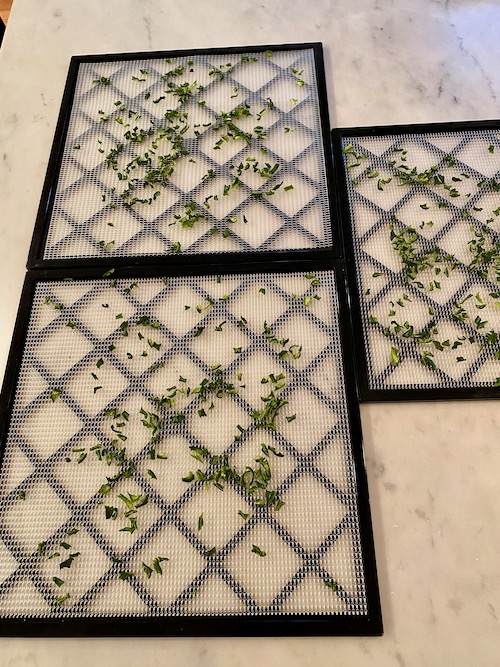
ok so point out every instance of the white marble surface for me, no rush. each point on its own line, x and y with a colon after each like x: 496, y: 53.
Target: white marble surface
x: 433, y: 468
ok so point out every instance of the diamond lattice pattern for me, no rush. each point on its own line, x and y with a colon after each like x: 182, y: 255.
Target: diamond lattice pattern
x: 194, y: 155
x: 425, y: 216
x: 185, y: 448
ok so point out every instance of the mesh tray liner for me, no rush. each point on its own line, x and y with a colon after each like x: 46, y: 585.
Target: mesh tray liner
x: 83, y: 367
x: 446, y: 313
x: 206, y: 204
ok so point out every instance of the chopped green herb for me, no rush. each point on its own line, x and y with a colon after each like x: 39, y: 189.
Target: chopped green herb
x: 330, y: 584
x: 68, y: 562
x: 426, y: 360
x: 210, y: 552
x: 258, y: 550
x: 148, y: 570
x: 54, y: 394
x: 156, y: 564
x: 111, y: 512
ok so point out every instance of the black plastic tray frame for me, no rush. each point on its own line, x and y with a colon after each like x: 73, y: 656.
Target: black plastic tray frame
x: 365, y: 392
x: 291, y: 625
x: 36, y: 252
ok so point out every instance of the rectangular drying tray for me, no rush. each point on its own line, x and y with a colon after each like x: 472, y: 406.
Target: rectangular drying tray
x: 167, y: 155
x: 182, y: 455
x: 421, y: 225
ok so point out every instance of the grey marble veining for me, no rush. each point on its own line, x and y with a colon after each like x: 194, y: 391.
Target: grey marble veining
x: 433, y: 468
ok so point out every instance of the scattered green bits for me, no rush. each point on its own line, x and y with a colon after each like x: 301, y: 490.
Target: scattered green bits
x: 156, y: 564
x: 55, y: 393
x: 394, y: 356
x: 257, y: 550
x: 111, y: 512
x: 69, y: 561
x: 210, y: 552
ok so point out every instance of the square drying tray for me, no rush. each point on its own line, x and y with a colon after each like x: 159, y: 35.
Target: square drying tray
x: 165, y: 157
x: 421, y: 225
x: 181, y: 454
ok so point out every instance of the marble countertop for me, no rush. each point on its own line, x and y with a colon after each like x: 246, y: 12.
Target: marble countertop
x: 433, y: 468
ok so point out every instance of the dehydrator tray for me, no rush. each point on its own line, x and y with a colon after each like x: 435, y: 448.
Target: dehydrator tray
x: 167, y: 155
x: 182, y: 455
x: 421, y: 225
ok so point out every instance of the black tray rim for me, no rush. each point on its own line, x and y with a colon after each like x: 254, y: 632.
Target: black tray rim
x: 42, y: 222
x: 396, y: 394
x: 223, y: 625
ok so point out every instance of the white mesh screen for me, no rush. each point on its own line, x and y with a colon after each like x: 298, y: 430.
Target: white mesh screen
x: 197, y: 154
x: 199, y: 420
x: 425, y: 216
